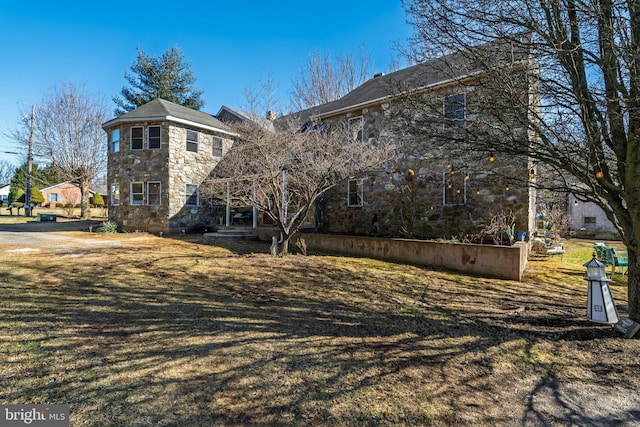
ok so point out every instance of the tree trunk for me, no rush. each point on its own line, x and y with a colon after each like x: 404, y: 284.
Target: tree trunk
x: 85, y: 212
x: 633, y: 286
x: 285, y: 244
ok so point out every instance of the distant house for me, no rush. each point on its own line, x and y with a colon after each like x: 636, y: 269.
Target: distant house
x: 61, y: 194
x: 4, y: 192
x: 588, y: 220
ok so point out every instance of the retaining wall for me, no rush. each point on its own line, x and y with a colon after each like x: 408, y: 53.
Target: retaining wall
x: 504, y: 262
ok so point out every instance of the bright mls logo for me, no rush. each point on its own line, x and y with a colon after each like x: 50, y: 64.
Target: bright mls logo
x: 34, y: 415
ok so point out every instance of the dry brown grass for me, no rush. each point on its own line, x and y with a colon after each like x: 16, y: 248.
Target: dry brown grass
x: 172, y: 332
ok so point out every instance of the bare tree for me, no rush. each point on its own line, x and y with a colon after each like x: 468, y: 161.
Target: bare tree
x: 285, y: 172
x: 324, y: 79
x: 68, y: 132
x: 582, y: 116
x: 6, y: 171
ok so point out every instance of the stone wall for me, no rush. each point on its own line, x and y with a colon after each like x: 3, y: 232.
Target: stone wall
x: 407, y: 197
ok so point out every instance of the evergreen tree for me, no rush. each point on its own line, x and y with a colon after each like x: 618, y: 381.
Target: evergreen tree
x: 36, y: 196
x: 97, y: 200
x: 44, y: 177
x: 168, y: 77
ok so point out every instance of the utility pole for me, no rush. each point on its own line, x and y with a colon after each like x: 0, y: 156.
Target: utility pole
x: 27, y: 191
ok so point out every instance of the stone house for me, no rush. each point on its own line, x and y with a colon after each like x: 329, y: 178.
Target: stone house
x: 158, y: 155
x: 430, y: 189
x: 161, y: 152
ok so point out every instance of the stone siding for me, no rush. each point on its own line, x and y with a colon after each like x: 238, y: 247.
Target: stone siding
x: 407, y: 197
x: 171, y: 165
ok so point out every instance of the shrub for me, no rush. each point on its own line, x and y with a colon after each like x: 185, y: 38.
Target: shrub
x: 96, y: 199
x: 108, y: 227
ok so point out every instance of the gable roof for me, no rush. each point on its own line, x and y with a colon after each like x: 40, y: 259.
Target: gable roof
x: 231, y: 114
x: 445, y: 70
x: 65, y: 183
x: 161, y: 109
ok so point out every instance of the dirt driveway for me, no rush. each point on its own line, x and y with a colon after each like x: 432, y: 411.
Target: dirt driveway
x: 67, y: 236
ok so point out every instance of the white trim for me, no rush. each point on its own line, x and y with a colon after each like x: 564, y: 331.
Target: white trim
x: 131, y: 193
x: 187, y: 197
x: 111, y: 140
x: 167, y: 118
x: 187, y: 141
x: 112, y: 200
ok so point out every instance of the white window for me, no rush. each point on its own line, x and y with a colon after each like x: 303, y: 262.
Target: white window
x: 114, y: 140
x: 192, y: 141
x: 153, y: 193
x: 115, y: 194
x: 53, y: 197
x: 217, y: 146
x: 137, y: 193
x: 153, y: 137
x: 137, y: 136
x: 355, y: 196
x: 454, y: 188
x: 191, y: 195
x: 453, y: 110
x: 356, y: 129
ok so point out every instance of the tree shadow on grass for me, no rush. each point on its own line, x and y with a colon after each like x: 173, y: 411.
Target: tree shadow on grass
x: 284, y: 342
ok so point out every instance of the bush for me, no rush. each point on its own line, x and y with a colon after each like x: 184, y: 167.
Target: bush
x: 108, y: 227
x: 96, y: 199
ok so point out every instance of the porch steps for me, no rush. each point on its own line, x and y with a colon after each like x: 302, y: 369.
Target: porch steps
x: 230, y: 234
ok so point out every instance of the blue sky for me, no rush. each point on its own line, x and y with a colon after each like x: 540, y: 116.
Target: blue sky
x: 230, y: 45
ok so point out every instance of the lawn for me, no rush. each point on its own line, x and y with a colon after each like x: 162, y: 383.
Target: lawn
x: 173, y: 332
